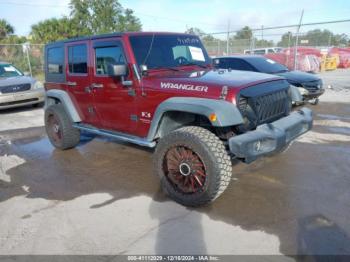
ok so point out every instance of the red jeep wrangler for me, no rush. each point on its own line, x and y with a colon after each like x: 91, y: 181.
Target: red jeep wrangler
x: 159, y: 90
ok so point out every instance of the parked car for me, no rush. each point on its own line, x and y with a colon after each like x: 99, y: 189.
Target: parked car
x: 263, y: 51
x: 310, y: 86
x: 16, y: 89
x: 159, y: 90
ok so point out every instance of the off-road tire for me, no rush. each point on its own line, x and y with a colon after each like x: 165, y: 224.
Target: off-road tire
x: 69, y: 136
x: 212, y: 153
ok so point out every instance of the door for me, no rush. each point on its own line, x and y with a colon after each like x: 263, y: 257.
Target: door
x: 114, y: 102
x: 78, y: 80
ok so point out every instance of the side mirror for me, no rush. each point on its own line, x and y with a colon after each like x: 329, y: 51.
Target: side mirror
x: 26, y: 74
x: 117, y: 70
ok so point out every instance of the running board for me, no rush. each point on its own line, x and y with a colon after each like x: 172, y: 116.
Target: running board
x: 117, y: 135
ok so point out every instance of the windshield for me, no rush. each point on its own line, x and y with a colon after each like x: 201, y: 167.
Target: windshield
x: 7, y: 70
x: 266, y: 65
x: 168, y: 51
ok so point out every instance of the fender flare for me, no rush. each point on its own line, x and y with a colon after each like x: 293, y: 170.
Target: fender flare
x: 66, y: 101
x: 227, y: 114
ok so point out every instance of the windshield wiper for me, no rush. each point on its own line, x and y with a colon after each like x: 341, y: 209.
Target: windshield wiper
x: 166, y: 67
x: 195, y: 64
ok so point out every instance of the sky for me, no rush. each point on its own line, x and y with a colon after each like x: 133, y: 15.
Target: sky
x: 208, y: 15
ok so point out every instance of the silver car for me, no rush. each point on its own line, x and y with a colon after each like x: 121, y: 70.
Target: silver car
x: 16, y: 89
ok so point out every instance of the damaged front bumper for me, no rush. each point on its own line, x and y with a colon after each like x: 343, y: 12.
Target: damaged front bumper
x: 272, y: 137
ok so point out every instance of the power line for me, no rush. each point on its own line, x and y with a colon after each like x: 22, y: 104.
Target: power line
x: 285, y: 26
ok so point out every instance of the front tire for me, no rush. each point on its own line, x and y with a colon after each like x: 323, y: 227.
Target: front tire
x: 193, y: 165
x: 59, y: 129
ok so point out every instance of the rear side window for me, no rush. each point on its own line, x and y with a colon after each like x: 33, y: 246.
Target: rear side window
x: 222, y: 63
x: 55, y: 60
x: 239, y: 64
x: 104, y: 56
x: 77, y: 59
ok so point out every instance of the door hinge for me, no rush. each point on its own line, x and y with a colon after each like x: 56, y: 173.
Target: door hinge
x: 134, y: 118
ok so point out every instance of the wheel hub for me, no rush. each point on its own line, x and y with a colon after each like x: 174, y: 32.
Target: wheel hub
x: 185, y: 169
x: 56, y: 128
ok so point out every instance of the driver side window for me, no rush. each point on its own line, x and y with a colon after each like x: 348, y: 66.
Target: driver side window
x: 108, y: 55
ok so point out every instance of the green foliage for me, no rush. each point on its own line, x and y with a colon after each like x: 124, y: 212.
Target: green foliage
x: 244, y: 33
x: 316, y: 37
x: 87, y: 17
x: 5, y: 29
x: 53, y: 29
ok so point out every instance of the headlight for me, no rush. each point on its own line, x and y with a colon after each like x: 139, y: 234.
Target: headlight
x: 303, y: 91
x: 38, y: 85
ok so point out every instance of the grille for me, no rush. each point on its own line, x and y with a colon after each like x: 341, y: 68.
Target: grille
x: 14, y: 88
x: 311, y: 86
x: 271, y: 106
x: 264, y: 108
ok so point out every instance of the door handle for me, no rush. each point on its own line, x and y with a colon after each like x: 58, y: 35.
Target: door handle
x: 71, y: 83
x: 94, y: 85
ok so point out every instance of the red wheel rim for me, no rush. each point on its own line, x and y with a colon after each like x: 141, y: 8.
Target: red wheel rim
x: 55, y: 128
x: 184, y: 169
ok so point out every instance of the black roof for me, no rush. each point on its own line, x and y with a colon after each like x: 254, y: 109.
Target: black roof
x: 116, y: 34
x: 92, y: 37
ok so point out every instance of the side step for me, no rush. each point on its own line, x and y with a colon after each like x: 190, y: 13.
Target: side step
x: 117, y: 135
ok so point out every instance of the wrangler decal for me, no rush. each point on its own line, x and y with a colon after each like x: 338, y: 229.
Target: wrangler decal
x: 187, y: 87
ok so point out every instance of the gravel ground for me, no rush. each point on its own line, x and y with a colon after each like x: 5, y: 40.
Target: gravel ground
x: 102, y: 197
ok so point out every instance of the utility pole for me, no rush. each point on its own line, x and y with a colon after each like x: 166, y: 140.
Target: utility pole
x: 296, y: 41
x: 262, y: 32
x: 228, y: 37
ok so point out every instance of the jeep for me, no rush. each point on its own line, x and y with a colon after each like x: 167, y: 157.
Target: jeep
x: 159, y: 90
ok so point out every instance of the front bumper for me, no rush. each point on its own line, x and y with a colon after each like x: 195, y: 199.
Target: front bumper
x: 29, y: 97
x: 313, y: 94
x: 272, y: 137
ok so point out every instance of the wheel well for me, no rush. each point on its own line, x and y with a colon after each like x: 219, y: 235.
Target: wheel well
x: 172, y: 120
x: 52, y: 101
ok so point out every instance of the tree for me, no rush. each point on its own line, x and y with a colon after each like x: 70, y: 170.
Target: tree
x: 287, y: 40
x: 103, y: 16
x: 5, y: 29
x: 87, y: 17
x: 244, y: 33
x: 316, y: 37
x: 54, y: 29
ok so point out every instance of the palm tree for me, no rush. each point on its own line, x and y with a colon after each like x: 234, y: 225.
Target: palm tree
x: 5, y: 29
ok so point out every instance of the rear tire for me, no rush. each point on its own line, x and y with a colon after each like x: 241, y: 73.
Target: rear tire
x: 193, y: 165
x: 59, y: 129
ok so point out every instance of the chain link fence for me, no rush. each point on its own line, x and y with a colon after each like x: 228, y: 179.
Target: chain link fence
x: 278, y: 43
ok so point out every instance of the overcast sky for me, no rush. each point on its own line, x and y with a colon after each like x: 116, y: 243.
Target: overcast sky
x: 208, y: 15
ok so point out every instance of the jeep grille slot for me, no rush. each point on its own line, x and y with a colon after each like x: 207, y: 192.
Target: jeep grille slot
x: 264, y: 108
x: 271, y: 106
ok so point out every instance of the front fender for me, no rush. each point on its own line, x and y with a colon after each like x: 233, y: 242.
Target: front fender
x: 227, y: 114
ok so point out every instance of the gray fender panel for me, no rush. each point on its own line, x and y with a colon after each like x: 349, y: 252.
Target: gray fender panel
x: 227, y: 113
x: 66, y: 101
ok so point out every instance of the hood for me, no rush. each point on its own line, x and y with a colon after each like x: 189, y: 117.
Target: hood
x: 210, y: 78
x: 16, y: 80
x: 298, y: 77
